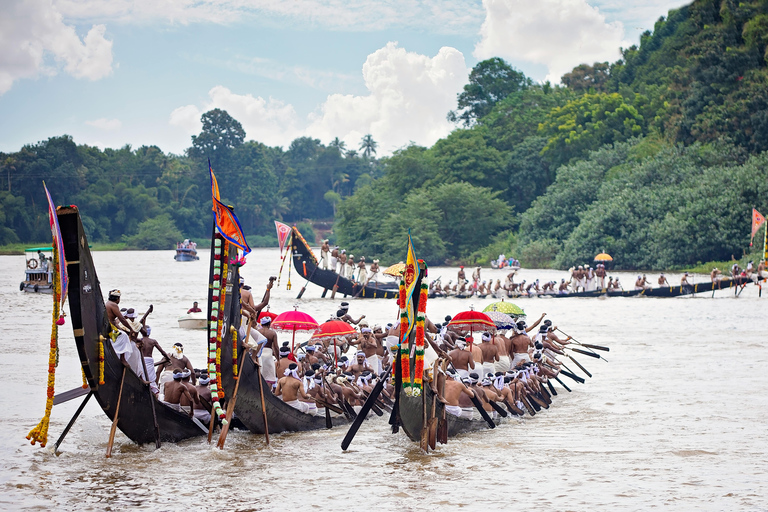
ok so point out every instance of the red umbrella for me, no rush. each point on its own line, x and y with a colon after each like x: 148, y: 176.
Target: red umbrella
x: 294, y: 321
x: 267, y: 313
x: 333, y: 329
x: 471, y: 321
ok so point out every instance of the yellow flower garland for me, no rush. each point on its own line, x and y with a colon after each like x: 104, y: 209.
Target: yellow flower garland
x: 40, y: 432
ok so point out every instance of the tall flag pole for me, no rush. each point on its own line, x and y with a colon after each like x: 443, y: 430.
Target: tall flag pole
x: 226, y: 220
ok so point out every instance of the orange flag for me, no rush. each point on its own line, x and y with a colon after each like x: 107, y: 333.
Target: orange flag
x: 757, y: 221
x: 226, y: 220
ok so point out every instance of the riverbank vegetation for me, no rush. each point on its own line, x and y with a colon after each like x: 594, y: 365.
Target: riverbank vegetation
x: 656, y: 158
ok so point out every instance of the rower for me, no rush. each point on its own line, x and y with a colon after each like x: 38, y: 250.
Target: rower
x: 175, y: 390
x: 147, y: 346
x: 453, y: 393
x: 290, y: 388
x: 663, y: 280
x: 203, y: 404
x: 461, y: 275
x: 343, y: 314
x: 462, y: 359
x: 684, y: 280
x: 362, y: 274
x: 334, y: 258
x: 351, y: 267
x: 520, y: 345
x: 489, y: 353
x: 177, y: 361
x: 342, y: 263
x: 121, y: 334
x: 374, y: 272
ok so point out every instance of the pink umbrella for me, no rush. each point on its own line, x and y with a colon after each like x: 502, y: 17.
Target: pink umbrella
x: 294, y: 321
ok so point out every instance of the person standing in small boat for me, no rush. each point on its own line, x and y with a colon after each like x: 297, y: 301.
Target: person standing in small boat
x: 194, y: 309
x: 324, y: 251
x: 461, y: 277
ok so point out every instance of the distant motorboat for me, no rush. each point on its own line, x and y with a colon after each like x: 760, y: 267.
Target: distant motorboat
x: 38, y: 275
x: 186, y: 251
x: 193, y: 320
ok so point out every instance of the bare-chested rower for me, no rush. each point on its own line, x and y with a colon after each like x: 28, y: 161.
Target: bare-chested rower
x: 458, y: 399
x: 175, y: 390
x: 178, y: 361
x: 290, y: 389
x: 462, y: 359
x: 489, y: 353
x: 122, y: 343
x: 147, y: 346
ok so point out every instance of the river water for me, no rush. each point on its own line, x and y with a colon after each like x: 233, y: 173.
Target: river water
x: 676, y: 420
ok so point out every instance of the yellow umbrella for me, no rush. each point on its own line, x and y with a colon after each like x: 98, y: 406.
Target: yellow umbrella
x: 603, y: 257
x: 395, y: 270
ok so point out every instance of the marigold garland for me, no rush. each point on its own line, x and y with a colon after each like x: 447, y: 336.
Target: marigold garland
x: 101, y: 363
x: 405, y: 362
x: 40, y: 432
x: 419, y: 342
x: 214, y: 324
x: 233, y: 332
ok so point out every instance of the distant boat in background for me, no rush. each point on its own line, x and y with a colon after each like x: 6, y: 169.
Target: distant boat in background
x: 186, y: 251
x: 38, y: 275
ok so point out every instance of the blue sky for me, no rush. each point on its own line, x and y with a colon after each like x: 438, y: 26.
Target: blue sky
x: 116, y: 72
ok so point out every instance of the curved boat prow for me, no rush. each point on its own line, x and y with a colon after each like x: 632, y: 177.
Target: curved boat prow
x: 91, y: 328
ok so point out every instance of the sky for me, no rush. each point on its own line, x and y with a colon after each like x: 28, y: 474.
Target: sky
x: 142, y: 72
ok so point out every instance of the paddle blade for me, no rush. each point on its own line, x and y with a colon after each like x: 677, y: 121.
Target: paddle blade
x: 363, y: 413
x: 479, y: 407
x: 590, y: 354
x: 597, y: 347
x: 432, y: 433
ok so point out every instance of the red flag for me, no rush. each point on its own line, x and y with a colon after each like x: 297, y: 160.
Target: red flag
x: 283, y: 231
x: 757, y: 221
x: 226, y: 220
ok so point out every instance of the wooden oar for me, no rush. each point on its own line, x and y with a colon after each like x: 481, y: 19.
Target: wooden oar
x: 590, y: 354
x: 551, y: 388
x: 66, y: 396
x: 364, y: 412
x: 572, y: 376
x: 152, y: 402
x: 114, y: 420
x: 432, y: 425
x: 496, y: 407
x: 579, y: 365
x: 335, y: 287
x: 328, y: 421
x: 233, y: 398
x: 596, y: 347
x: 563, y: 384
x: 528, y: 406
x: 263, y: 406
x: 72, y: 421
x: 513, y: 408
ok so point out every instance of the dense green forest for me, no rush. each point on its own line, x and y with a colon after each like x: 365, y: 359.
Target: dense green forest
x: 656, y: 158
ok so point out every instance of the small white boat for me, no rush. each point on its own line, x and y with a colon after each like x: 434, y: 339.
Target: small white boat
x: 38, y: 276
x: 193, y: 320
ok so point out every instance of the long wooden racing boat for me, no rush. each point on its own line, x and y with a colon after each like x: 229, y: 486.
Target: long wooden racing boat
x: 91, y: 329
x: 281, y: 417
x: 307, y: 266
x: 663, y: 291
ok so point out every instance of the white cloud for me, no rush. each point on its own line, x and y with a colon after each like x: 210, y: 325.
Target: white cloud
x: 559, y: 34
x: 408, y: 97
x: 32, y: 32
x: 105, y: 124
x: 269, y: 121
x: 447, y: 16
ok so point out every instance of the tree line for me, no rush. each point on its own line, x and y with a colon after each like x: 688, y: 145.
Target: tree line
x: 656, y: 158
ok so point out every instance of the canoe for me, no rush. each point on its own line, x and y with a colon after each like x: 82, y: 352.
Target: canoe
x: 306, y: 264
x: 281, y: 417
x: 90, y: 325
x: 662, y: 291
x: 193, y: 321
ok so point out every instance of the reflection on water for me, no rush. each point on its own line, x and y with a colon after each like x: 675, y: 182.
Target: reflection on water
x: 674, y: 420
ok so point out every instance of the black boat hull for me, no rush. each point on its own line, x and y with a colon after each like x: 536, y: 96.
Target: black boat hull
x: 664, y: 291
x: 306, y: 264
x: 412, y: 413
x: 91, y: 328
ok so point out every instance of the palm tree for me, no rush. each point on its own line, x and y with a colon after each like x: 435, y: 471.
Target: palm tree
x: 338, y: 144
x: 351, y: 154
x: 10, y: 165
x: 368, y: 146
